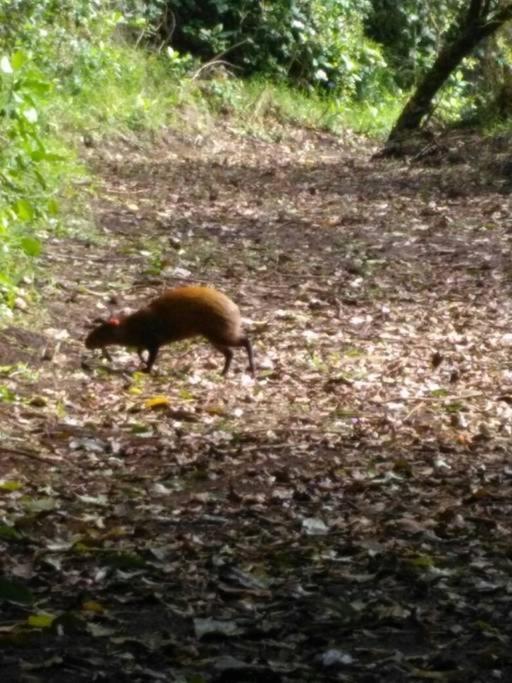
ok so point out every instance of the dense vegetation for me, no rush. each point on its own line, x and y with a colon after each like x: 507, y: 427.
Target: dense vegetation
x: 77, y: 68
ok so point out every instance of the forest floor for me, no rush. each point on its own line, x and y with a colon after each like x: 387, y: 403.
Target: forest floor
x: 347, y: 515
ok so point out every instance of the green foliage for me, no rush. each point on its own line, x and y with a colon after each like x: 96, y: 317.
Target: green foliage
x: 310, y: 43
x: 411, y: 32
x: 37, y: 169
x: 457, y: 101
x: 261, y: 107
x: 492, y: 82
x: 29, y: 167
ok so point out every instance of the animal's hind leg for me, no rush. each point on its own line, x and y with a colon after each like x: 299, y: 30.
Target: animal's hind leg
x: 246, y: 343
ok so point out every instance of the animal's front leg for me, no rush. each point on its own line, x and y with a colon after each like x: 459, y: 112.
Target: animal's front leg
x: 153, y: 353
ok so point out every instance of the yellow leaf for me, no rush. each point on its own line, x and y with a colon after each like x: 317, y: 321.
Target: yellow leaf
x: 216, y: 410
x: 41, y: 620
x: 10, y: 485
x: 80, y: 547
x: 114, y: 532
x: 93, y: 606
x: 157, y: 402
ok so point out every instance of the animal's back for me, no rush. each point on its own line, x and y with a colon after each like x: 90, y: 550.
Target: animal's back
x: 197, y: 310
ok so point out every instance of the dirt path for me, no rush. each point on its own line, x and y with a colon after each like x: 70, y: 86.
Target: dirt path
x: 346, y: 516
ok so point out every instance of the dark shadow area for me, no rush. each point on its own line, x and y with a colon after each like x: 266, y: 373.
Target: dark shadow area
x: 326, y: 573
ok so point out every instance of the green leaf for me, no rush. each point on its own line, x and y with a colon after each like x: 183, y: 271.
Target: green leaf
x: 31, y: 246
x: 24, y: 210
x: 40, y: 179
x: 7, y: 394
x: 14, y: 591
x: 7, y: 533
x: 422, y: 562
x: 18, y: 59
x: 52, y: 206
x: 439, y: 393
x: 137, y: 428
x: 36, y: 86
x: 43, y: 155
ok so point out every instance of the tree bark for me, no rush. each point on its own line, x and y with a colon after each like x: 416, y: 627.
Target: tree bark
x: 478, y: 24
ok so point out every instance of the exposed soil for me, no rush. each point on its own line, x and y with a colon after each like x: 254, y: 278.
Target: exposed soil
x: 347, y: 515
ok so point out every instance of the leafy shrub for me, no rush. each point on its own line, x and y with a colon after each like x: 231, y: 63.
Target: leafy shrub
x: 310, y: 42
x: 29, y: 167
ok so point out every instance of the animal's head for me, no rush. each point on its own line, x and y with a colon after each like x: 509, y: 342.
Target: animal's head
x: 105, y: 333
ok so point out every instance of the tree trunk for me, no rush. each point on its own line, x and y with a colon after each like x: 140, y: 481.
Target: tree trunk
x: 475, y: 26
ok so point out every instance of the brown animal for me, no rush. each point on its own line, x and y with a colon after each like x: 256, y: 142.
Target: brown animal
x: 177, y: 314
